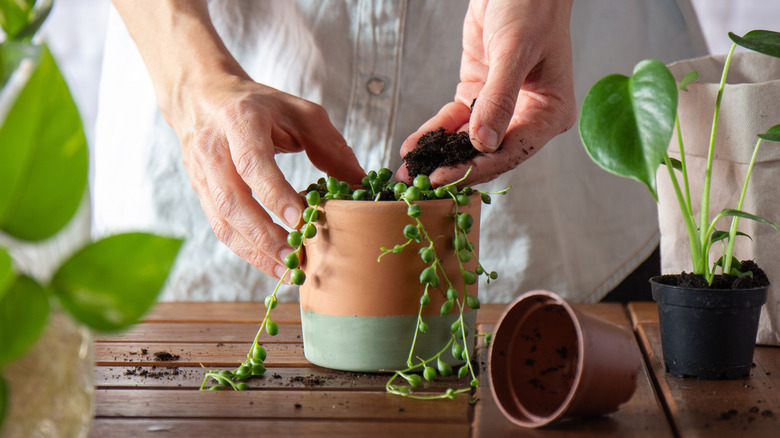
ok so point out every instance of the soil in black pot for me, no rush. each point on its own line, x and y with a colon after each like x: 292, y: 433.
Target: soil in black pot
x: 697, y: 281
x: 438, y: 149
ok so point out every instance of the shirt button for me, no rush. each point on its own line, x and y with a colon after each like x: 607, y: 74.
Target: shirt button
x: 375, y: 86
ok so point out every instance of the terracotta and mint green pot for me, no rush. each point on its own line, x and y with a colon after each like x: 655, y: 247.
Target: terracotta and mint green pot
x: 708, y: 334
x: 360, y: 314
x: 550, y: 361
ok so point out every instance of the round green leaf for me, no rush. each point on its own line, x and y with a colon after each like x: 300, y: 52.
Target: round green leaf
x: 24, y: 310
x: 627, y: 122
x: 43, y: 157
x: 761, y: 41
x: 111, y: 283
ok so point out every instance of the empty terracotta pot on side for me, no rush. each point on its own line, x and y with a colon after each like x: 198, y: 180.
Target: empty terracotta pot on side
x: 360, y: 314
x: 549, y: 361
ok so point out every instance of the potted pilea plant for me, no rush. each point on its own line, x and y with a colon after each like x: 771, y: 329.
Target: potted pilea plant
x: 46, y: 366
x: 388, y: 282
x: 708, y: 320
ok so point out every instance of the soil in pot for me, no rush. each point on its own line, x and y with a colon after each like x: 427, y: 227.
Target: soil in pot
x: 438, y: 149
x: 697, y: 281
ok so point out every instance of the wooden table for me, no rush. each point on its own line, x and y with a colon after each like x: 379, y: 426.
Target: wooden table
x: 148, y: 378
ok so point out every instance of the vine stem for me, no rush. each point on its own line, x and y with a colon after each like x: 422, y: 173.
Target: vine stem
x: 416, y: 328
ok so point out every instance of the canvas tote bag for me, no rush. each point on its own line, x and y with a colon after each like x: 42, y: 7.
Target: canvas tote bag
x: 750, y: 106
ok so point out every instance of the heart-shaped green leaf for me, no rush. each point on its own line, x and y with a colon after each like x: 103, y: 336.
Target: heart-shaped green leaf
x: 626, y: 123
x: 761, y: 41
x: 24, y: 310
x: 111, y: 283
x: 43, y: 157
x: 772, y: 134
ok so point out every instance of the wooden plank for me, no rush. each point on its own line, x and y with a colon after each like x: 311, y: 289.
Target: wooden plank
x: 277, y: 404
x: 719, y: 408
x: 643, y: 313
x: 141, y: 428
x: 216, y: 355
x: 642, y: 415
x: 207, y: 312
x: 313, y: 378
x: 187, y: 332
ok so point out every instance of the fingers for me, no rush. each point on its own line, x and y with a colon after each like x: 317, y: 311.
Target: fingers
x: 495, y: 104
x: 252, y: 151
x: 235, y: 217
x: 326, y: 148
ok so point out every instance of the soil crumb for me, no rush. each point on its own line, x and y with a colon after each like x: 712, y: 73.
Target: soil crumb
x: 438, y: 149
x: 165, y: 356
x: 308, y: 381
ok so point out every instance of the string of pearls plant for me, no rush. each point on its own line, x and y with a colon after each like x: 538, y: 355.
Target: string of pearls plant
x: 377, y: 186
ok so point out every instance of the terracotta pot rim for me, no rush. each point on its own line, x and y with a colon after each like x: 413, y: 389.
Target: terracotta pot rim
x: 534, y: 420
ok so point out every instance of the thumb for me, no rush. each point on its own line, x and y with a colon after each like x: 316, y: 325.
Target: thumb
x: 495, y: 104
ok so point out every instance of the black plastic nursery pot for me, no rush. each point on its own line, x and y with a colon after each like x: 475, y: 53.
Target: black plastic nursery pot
x: 708, y: 334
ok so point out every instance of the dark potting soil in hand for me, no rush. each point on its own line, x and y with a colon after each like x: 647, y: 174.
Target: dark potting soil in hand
x: 689, y: 280
x: 438, y: 149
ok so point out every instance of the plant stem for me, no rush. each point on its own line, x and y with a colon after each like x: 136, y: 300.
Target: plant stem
x: 705, y: 197
x: 684, y: 166
x: 416, y: 329
x: 728, y: 255
x: 690, y: 224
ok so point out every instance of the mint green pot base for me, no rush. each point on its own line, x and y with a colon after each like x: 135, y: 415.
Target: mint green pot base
x: 377, y: 343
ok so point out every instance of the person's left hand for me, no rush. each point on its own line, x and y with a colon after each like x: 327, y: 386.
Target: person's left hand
x: 517, y: 64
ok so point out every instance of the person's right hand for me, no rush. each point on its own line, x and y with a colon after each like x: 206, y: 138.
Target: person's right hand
x: 230, y: 127
x: 229, y: 134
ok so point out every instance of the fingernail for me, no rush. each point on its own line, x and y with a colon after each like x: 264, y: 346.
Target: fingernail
x: 279, y: 271
x: 283, y: 253
x: 488, y: 138
x: 292, y: 216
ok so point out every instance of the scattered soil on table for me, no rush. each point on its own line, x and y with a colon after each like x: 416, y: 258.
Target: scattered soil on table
x: 752, y: 414
x: 308, y: 381
x: 153, y: 372
x: 689, y: 280
x: 438, y: 149
x: 165, y: 356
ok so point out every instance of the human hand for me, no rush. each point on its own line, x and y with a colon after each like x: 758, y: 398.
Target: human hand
x: 517, y: 64
x: 229, y: 135
x: 230, y: 128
